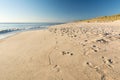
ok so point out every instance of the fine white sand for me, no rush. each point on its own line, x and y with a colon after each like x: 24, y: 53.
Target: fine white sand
x: 72, y: 51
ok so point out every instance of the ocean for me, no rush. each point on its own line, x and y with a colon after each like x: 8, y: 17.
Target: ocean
x: 9, y: 29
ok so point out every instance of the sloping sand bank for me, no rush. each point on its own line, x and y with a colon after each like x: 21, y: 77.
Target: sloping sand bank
x: 73, y: 51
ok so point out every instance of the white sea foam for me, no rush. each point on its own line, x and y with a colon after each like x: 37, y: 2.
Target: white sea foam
x: 7, y: 30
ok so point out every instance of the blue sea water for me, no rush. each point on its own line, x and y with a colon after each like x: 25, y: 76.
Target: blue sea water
x: 9, y: 29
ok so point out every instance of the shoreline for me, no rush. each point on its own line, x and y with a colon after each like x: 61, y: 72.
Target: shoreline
x: 19, y: 33
x: 13, y: 29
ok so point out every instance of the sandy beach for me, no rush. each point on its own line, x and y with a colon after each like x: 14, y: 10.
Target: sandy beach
x: 72, y: 51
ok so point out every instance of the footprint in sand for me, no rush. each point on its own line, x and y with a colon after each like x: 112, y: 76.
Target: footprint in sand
x: 107, y: 61
x: 95, y: 48
x: 56, y: 68
x: 97, y: 69
x: 102, y: 41
x: 67, y: 53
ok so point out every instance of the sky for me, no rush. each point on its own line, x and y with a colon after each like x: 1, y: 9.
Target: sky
x: 55, y: 10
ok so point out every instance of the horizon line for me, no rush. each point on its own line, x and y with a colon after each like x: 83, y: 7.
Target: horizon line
x: 28, y: 22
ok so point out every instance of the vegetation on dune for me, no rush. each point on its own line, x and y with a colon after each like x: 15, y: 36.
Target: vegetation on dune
x: 104, y: 19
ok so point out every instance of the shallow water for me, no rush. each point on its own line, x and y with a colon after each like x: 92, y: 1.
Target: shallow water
x: 8, y: 29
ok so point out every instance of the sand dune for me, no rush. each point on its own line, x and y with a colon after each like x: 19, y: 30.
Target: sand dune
x: 72, y: 51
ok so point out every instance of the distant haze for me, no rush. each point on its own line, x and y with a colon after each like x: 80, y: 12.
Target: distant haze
x: 55, y: 10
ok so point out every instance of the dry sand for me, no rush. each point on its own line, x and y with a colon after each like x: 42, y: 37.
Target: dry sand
x: 73, y: 51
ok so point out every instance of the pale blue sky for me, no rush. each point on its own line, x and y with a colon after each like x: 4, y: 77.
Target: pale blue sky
x: 55, y: 10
